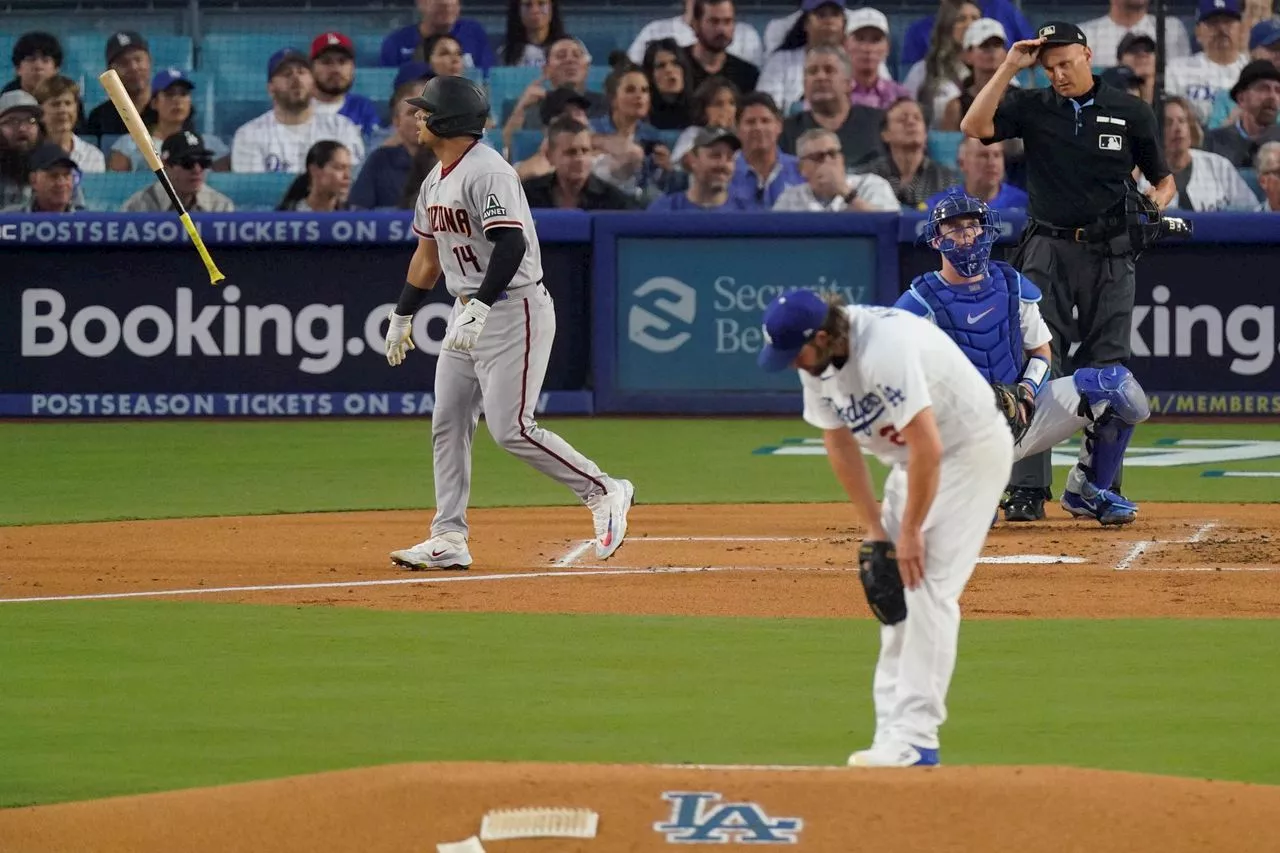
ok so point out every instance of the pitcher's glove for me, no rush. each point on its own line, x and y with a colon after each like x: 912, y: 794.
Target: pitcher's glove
x: 1018, y: 405
x: 878, y: 571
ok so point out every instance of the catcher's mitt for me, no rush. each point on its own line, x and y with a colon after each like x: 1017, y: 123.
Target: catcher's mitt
x: 1017, y: 404
x: 878, y: 571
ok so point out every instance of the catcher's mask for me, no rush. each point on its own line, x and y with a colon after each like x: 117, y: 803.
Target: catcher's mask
x: 969, y: 258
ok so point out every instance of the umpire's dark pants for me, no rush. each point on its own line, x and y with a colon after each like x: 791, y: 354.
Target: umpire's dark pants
x: 1095, y: 281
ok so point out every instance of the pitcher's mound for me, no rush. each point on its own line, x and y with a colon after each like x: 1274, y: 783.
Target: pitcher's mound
x: 414, y: 807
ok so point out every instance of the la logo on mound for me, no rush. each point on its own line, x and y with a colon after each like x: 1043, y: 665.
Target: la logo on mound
x: 696, y: 819
x: 655, y: 323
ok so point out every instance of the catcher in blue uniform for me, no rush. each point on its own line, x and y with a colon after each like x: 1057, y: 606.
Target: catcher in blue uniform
x: 989, y: 309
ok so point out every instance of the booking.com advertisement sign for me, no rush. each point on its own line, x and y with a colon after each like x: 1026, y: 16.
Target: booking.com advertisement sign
x: 686, y: 313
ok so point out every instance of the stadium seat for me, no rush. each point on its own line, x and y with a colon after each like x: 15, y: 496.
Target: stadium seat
x: 507, y: 83
x: 368, y: 48
x: 240, y: 83
x: 107, y: 191
x: 233, y: 112
x: 1250, y: 176
x: 84, y: 52
x: 595, y: 77
x: 252, y: 191
x: 599, y: 45
x: 524, y: 144
x: 944, y: 146
x: 106, y: 141
x: 246, y: 52
x: 375, y: 83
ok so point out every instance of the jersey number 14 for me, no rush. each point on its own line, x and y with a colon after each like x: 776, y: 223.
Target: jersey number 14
x: 466, y: 255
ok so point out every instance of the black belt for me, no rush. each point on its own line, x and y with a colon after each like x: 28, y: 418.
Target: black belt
x: 1099, y: 232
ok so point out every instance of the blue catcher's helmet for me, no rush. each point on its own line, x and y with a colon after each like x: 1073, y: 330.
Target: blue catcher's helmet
x: 971, y: 259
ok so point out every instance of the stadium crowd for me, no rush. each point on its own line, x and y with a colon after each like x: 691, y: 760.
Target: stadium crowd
x: 701, y: 112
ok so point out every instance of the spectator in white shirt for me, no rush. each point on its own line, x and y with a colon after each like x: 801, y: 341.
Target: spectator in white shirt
x: 532, y: 27
x: 828, y: 186
x: 1206, y: 182
x: 1201, y: 77
x: 1268, y: 166
x: 1132, y: 16
x: 59, y: 99
x: 278, y: 140
x: 782, y: 77
x: 936, y: 79
x: 776, y: 31
x: 745, y: 44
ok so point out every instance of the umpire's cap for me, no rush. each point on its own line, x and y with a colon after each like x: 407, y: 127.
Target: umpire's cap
x: 1055, y: 33
x: 454, y: 105
x: 790, y: 321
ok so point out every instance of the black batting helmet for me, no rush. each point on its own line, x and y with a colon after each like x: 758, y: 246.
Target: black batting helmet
x: 454, y: 105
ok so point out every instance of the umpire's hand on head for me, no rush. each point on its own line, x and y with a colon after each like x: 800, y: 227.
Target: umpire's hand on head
x: 1024, y: 53
x: 399, y: 340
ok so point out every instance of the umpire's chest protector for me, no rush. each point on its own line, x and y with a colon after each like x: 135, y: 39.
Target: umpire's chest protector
x: 983, y: 318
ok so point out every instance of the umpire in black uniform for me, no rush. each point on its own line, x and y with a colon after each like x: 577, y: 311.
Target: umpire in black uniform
x: 1083, y: 139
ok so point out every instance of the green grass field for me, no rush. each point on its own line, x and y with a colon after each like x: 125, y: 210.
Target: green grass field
x: 104, y: 698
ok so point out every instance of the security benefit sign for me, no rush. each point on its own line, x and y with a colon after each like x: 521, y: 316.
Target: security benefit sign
x: 1202, y: 342
x: 689, y: 310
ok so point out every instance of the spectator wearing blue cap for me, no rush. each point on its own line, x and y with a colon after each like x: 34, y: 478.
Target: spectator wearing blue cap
x: 129, y: 55
x: 382, y: 179
x: 1127, y: 18
x: 279, y: 139
x: 710, y: 166
x: 333, y: 63
x: 916, y: 39
x: 1264, y: 43
x: 1199, y: 78
x: 172, y: 112
x: 439, y: 17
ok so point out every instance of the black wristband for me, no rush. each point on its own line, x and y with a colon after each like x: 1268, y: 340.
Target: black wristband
x: 411, y: 299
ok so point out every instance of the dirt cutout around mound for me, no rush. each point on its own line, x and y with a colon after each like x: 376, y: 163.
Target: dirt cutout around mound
x: 1216, y: 560
x: 412, y: 808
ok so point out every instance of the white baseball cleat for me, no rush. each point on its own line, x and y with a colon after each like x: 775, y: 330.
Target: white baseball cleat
x: 895, y: 755
x: 609, y: 511
x: 446, y: 551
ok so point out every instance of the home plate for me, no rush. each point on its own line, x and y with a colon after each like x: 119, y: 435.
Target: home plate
x: 1029, y: 559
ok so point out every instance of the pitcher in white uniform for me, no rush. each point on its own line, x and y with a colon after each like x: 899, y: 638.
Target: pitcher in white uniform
x: 890, y: 382
x: 473, y: 225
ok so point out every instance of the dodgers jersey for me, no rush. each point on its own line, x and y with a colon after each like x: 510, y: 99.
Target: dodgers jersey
x: 266, y: 145
x: 457, y: 205
x: 898, y: 365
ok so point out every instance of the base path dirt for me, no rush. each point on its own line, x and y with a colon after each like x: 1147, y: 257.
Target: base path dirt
x: 415, y: 807
x: 755, y: 560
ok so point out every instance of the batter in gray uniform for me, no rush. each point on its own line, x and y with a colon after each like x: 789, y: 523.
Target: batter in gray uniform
x: 474, y: 226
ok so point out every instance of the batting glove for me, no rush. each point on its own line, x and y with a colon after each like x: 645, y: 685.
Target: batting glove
x: 399, y: 340
x: 464, y: 333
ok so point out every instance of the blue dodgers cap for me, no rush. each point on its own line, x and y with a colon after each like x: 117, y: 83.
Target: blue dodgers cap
x: 789, y: 322
x: 286, y: 56
x: 1209, y: 8
x: 168, y: 77
x: 1264, y: 34
x: 413, y: 71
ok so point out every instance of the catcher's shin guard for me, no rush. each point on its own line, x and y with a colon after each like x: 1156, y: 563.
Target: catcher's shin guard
x: 1114, y: 403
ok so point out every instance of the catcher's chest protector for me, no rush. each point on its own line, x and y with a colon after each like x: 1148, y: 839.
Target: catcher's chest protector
x: 982, y: 318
